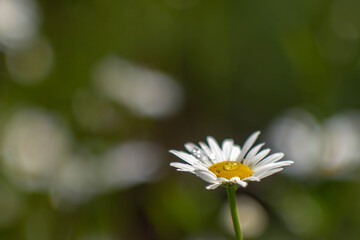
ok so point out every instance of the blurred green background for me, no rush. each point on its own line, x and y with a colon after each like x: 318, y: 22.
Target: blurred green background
x: 94, y: 92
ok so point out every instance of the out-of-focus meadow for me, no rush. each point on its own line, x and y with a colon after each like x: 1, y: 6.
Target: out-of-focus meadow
x: 93, y: 93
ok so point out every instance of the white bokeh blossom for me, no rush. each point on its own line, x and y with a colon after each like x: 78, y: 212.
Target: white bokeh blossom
x: 330, y: 147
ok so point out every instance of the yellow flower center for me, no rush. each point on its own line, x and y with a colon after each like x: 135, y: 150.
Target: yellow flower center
x: 230, y: 169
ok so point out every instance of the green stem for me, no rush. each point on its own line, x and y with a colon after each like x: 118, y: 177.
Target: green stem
x: 234, y: 212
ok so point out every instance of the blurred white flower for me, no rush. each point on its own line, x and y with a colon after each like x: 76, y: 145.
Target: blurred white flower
x: 83, y: 176
x: 253, y: 217
x: 331, y: 147
x: 33, y: 145
x: 145, y: 92
x: 36, y: 155
x: 131, y: 163
x: 75, y: 181
x: 19, y: 22
x: 32, y: 63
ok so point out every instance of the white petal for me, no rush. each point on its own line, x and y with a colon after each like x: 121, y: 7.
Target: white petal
x: 227, y: 147
x: 206, y: 175
x: 186, y: 157
x: 268, y: 173
x: 182, y: 167
x: 213, y: 186
x: 235, y: 151
x: 247, y: 145
x: 222, y: 180
x: 253, y: 153
x: 208, y: 151
x: 270, y: 159
x: 238, y: 181
x: 204, y: 159
x: 215, y: 149
x: 252, y: 178
x: 258, y: 169
x: 258, y: 157
x: 190, y: 146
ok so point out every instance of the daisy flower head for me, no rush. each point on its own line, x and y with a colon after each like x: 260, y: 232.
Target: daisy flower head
x: 229, y: 163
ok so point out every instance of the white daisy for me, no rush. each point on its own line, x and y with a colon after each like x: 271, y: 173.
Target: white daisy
x: 229, y: 164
